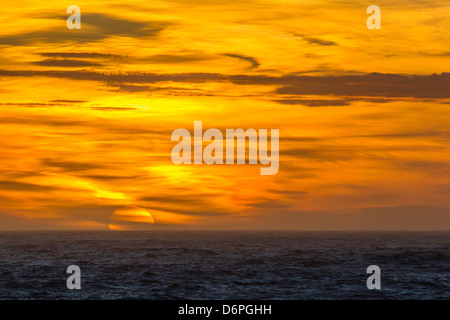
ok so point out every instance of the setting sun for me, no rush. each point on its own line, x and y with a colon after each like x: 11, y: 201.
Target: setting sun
x: 130, y: 218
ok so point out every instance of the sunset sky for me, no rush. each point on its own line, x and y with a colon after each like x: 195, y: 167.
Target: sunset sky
x: 87, y: 115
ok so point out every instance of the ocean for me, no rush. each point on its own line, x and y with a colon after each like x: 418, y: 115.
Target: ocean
x: 224, y: 264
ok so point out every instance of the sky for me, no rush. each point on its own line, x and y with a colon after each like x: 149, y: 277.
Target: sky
x: 87, y: 115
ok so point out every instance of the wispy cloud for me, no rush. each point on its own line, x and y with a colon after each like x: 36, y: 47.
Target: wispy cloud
x: 104, y: 26
x: 254, y: 63
x: 66, y: 63
x: 317, y: 41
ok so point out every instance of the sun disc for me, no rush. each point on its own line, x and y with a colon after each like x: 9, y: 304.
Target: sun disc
x: 130, y: 218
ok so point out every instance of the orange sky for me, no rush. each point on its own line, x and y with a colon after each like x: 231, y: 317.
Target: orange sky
x: 87, y: 115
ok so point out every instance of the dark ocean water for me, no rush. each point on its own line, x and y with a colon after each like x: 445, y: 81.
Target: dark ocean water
x: 224, y: 265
